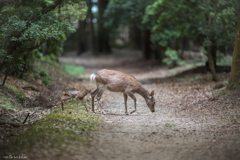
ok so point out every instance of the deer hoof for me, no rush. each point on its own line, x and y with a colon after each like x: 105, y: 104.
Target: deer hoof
x: 132, y: 112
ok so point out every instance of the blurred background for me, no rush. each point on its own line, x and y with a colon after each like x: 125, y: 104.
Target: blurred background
x: 158, y: 32
x: 173, y: 33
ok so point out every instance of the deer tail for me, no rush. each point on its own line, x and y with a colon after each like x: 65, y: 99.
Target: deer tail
x: 93, y: 76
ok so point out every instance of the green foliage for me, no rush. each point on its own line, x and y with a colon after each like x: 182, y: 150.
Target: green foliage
x: 169, y: 125
x: 223, y: 60
x: 222, y: 92
x: 26, y: 25
x: 163, y: 20
x: 44, y: 76
x: 46, y: 80
x: 18, y: 92
x: 37, y: 76
x: 125, y: 12
x: 7, y: 103
x: 73, y: 70
x: 172, y: 58
x: 49, y: 58
x: 207, y: 23
x: 43, y: 73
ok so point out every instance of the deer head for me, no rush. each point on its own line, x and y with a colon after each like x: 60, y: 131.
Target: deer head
x: 151, y: 102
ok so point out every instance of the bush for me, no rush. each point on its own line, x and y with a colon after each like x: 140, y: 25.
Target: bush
x: 172, y: 59
x: 46, y: 80
x: 44, y: 76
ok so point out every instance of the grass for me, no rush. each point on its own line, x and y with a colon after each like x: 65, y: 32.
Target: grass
x: 18, y: 93
x: 222, y: 92
x: 168, y: 125
x: 57, y: 130
x: 73, y: 70
x: 225, y: 61
x: 7, y: 103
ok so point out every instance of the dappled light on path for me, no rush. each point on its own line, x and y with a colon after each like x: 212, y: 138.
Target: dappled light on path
x: 190, y: 121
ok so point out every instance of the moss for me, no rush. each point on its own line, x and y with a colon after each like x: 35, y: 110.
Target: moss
x: 18, y: 93
x: 170, y: 125
x: 57, y: 130
x: 7, y: 103
x: 222, y: 92
x: 234, y: 83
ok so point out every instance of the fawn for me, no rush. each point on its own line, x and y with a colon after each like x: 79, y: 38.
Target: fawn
x: 120, y: 82
x: 78, y: 95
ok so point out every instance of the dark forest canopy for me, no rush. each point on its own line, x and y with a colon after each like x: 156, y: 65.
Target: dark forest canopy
x: 162, y: 29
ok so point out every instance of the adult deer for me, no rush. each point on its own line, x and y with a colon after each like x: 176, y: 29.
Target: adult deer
x: 120, y: 82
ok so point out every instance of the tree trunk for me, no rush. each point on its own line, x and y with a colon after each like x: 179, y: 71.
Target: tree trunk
x: 147, y: 45
x: 82, y: 45
x: 234, y: 81
x: 135, y: 37
x: 103, y: 33
x: 212, y: 68
x: 91, y: 30
x: 159, y: 53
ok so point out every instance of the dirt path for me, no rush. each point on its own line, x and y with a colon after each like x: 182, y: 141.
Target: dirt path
x: 189, y: 123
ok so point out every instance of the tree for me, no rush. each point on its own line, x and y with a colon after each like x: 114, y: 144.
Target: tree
x: 234, y: 81
x: 205, y: 22
x: 92, y: 38
x: 130, y: 13
x: 26, y: 25
x: 103, y: 32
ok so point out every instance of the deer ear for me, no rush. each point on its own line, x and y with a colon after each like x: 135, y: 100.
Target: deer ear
x: 152, y: 93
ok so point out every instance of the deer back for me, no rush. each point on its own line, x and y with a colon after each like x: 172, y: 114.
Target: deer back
x: 117, y: 81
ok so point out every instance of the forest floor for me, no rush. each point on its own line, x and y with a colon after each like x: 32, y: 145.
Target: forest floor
x: 191, y: 119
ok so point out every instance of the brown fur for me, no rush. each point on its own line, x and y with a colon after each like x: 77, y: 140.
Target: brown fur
x: 116, y: 81
x: 78, y: 95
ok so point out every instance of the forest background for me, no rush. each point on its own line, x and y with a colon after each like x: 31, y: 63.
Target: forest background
x: 161, y: 29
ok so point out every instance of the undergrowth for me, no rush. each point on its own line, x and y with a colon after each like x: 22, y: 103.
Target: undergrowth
x: 73, y: 70
x: 222, y: 92
x: 7, y: 103
x: 57, y: 129
x: 18, y: 92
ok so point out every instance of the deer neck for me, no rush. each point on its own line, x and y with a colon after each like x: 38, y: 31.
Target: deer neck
x: 143, y: 92
x: 84, y: 93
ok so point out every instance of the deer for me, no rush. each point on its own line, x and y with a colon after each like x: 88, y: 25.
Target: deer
x: 116, y: 81
x: 78, y: 95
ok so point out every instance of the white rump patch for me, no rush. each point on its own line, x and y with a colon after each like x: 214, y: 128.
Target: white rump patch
x: 92, y: 77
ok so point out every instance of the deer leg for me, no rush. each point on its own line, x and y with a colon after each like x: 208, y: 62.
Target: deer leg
x: 84, y: 104
x: 77, y: 105
x: 125, y: 101
x: 130, y: 94
x: 98, y: 98
x: 93, y: 94
x: 63, y: 99
x: 62, y: 102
